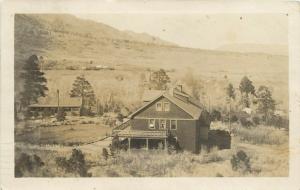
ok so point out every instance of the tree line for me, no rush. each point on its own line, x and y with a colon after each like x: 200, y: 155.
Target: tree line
x: 35, y: 86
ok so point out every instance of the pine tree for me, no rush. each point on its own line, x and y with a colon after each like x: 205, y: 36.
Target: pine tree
x: 266, y: 104
x: 230, y: 91
x: 82, y: 88
x: 246, y: 88
x: 34, y: 82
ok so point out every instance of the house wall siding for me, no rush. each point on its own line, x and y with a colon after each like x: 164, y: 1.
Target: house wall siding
x: 187, y: 135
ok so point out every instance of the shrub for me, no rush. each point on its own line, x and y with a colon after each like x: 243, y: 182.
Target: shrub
x: 219, y: 175
x: 61, y: 114
x: 115, y: 143
x: 75, y: 164
x: 46, y: 113
x: 105, y: 153
x: 278, y: 121
x: 120, y: 117
x: 85, y: 112
x: 112, y: 173
x: 234, y: 118
x: 256, y: 120
x: 27, y: 163
x: 28, y: 114
x: 245, y: 121
x: 215, y: 115
x: 240, y: 162
x: 173, y: 144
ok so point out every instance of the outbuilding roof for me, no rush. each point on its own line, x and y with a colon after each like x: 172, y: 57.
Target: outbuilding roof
x: 53, y: 102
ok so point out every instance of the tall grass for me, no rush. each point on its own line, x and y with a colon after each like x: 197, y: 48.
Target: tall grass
x: 261, y: 135
x: 156, y: 163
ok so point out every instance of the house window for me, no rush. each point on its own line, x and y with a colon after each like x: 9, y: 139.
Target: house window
x: 173, y: 124
x: 151, y: 124
x: 166, y: 106
x: 162, y: 124
x: 158, y: 106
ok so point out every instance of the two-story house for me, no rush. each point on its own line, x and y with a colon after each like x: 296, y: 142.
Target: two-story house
x: 173, y: 113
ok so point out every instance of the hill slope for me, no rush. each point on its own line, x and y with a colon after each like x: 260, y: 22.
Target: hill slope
x: 274, y: 49
x: 68, y: 40
x: 65, y: 40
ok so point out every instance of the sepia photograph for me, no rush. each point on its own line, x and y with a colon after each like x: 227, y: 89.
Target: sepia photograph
x: 151, y: 95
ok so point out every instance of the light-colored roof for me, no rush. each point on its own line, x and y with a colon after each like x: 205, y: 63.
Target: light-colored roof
x: 189, y: 107
x: 52, y: 102
x: 149, y: 95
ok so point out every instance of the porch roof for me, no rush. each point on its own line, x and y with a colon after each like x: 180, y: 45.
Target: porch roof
x: 141, y: 134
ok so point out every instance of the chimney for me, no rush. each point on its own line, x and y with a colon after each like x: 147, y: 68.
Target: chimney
x: 178, y: 93
x: 179, y: 87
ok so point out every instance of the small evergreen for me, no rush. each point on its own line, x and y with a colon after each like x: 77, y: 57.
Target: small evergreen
x: 82, y: 88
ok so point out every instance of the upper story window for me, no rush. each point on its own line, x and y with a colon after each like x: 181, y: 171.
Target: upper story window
x: 159, y: 106
x: 162, y: 106
x: 166, y: 106
x: 151, y: 124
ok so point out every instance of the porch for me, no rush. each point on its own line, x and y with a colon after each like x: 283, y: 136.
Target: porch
x: 142, y: 135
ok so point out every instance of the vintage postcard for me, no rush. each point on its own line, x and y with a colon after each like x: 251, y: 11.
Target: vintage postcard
x: 110, y: 90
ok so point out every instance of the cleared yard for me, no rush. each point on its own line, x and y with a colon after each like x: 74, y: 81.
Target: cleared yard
x: 64, y: 134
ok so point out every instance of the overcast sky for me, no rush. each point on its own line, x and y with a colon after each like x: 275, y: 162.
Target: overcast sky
x: 203, y: 31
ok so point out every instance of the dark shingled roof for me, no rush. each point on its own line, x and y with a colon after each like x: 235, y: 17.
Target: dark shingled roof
x: 190, y: 106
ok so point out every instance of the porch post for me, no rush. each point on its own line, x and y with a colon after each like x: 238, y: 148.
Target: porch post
x: 129, y: 139
x: 147, y: 144
x: 166, y: 144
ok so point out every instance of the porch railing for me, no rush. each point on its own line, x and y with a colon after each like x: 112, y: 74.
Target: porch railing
x: 140, y: 134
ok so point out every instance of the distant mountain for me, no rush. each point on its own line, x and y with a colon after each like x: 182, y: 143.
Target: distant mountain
x: 274, y: 49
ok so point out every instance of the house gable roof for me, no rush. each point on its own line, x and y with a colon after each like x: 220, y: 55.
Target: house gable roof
x: 149, y: 94
x: 188, y: 107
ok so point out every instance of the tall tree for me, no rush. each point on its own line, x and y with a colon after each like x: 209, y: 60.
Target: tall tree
x: 266, y: 104
x: 159, y: 79
x: 34, y: 82
x: 230, y: 91
x: 246, y: 87
x: 194, y: 84
x: 82, y: 88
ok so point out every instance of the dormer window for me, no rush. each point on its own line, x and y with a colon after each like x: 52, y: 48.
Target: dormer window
x: 159, y: 106
x: 162, y: 106
x: 166, y: 106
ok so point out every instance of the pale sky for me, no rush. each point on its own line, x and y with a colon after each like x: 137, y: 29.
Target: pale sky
x: 203, y: 31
